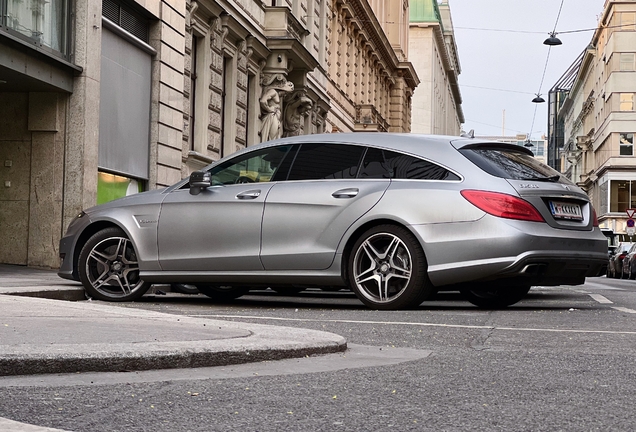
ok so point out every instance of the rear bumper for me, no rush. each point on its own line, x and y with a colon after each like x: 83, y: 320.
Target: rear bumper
x: 551, y: 270
x: 494, y: 249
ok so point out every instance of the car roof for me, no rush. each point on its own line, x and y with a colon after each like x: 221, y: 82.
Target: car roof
x: 381, y: 139
x: 409, y: 142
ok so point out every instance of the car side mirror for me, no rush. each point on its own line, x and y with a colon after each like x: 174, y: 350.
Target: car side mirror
x: 199, y: 180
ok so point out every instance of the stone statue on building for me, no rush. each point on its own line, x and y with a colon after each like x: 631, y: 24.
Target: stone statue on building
x: 297, y: 106
x: 274, y: 86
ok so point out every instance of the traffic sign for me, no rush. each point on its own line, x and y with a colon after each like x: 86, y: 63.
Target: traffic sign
x: 630, y: 212
x: 630, y: 231
x: 630, y: 223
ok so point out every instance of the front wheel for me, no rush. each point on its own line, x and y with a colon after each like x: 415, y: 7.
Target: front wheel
x: 387, y: 269
x: 109, y: 268
x: 495, y: 298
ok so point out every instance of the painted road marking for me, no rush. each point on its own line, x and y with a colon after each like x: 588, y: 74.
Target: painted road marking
x: 458, y: 326
x: 601, y: 299
x: 623, y: 309
x: 603, y: 287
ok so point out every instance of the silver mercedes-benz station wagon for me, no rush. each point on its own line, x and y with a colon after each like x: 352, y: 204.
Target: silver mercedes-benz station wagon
x: 393, y: 217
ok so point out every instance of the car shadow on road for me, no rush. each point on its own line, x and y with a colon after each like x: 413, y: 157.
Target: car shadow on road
x: 346, y: 300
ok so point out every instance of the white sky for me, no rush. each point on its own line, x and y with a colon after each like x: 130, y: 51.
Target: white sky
x: 514, y: 60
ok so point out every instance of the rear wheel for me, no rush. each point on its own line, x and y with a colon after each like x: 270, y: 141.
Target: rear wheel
x: 387, y: 269
x: 109, y: 269
x: 223, y: 292
x: 495, y: 298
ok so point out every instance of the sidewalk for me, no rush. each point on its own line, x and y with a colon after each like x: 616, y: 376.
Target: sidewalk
x: 39, y: 335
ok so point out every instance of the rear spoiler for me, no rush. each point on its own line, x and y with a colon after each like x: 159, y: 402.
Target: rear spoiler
x: 472, y: 145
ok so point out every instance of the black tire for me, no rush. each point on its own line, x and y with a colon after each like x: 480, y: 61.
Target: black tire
x: 223, y: 293
x: 287, y: 290
x: 109, y: 269
x: 387, y: 269
x: 184, y: 288
x: 495, y: 298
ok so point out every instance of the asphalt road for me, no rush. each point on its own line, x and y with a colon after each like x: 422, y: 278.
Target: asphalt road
x: 562, y: 359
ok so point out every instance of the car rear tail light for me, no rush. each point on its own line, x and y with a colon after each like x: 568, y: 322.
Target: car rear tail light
x: 594, y: 217
x: 503, y: 205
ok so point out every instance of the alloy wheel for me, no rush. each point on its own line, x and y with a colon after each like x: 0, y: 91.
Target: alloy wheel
x: 382, y: 267
x: 112, y: 268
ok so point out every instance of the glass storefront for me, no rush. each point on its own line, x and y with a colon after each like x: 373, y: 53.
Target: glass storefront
x: 622, y: 195
x: 111, y: 187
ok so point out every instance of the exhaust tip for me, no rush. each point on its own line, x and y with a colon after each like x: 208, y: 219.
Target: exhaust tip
x: 534, y: 269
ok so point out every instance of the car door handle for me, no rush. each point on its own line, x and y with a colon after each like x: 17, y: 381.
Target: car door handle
x: 346, y: 193
x: 250, y: 194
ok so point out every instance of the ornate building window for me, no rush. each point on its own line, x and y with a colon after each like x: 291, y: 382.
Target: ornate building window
x: 193, y: 89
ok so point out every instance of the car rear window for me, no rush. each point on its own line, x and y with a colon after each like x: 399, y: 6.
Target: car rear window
x: 510, y: 164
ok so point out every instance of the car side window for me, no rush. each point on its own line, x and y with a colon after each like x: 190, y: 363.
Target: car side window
x: 380, y: 163
x: 326, y: 161
x: 255, y: 167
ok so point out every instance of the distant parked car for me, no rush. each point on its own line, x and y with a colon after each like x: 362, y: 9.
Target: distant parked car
x: 615, y: 264
x: 395, y: 217
x: 629, y: 264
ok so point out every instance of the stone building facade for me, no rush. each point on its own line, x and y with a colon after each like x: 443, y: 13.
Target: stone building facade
x: 121, y: 96
x: 370, y: 81
x: 437, y: 101
x: 598, y: 117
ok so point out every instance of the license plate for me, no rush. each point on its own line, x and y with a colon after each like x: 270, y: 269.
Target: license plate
x: 566, y: 210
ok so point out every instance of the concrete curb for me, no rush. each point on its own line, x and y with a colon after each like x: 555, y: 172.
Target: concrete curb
x: 151, y: 357
x: 7, y: 425
x: 68, y: 294
x: 238, y: 343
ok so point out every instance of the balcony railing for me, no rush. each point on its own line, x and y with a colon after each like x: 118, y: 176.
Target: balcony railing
x: 368, y: 119
x: 44, y: 23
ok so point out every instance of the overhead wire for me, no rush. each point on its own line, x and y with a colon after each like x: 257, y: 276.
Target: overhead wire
x: 545, y: 68
x: 542, y: 32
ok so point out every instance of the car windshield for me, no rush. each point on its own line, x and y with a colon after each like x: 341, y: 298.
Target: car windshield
x: 511, y: 164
